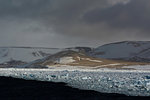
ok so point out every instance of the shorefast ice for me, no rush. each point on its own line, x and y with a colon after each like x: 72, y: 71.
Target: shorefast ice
x: 128, y: 82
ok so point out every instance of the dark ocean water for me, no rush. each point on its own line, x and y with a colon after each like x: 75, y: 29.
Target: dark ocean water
x: 19, y: 89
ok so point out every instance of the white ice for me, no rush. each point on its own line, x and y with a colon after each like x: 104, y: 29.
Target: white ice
x: 128, y: 82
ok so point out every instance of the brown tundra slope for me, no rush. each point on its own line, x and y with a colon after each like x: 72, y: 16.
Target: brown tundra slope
x: 73, y: 58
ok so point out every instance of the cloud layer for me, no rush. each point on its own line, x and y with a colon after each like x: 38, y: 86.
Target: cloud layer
x: 63, y: 23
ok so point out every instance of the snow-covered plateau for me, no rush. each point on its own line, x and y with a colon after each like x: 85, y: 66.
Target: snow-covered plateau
x: 128, y: 82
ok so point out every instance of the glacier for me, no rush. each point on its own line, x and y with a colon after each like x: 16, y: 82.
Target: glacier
x: 128, y: 82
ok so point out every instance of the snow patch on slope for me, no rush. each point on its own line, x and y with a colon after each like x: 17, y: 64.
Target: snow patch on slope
x: 65, y: 60
x: 107, y: 65
x: 91, y: 60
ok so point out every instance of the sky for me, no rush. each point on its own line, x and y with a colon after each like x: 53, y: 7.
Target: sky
x: 69, y: 23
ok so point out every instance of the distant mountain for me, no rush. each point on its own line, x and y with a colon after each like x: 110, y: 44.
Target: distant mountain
x: 12, y: 56
x: 25, y: 54
x: 126, y: 50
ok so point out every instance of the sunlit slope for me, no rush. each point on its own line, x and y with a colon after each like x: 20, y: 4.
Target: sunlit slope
x: 73, y: 58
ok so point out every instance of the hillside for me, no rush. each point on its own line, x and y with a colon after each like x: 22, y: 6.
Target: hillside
x: 126, y: 50
x: 77, y: 59
x: 25, y: 54
x: 21, y: 55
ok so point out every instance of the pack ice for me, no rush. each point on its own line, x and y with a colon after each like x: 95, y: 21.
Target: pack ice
x: 128, y: 82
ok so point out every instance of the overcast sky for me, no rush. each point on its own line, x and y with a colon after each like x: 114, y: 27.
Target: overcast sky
x: 68, y: 23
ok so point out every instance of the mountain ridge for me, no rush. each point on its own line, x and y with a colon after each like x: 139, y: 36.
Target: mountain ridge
x: 135, y: 51
x: 123, y: 50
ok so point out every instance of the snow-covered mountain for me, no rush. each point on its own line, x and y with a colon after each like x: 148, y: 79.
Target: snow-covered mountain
x: 13, y: 56
x: 25, y: 54
x: 126, y: 50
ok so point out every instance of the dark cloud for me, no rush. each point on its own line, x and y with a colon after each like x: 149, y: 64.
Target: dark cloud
x: 73, y: 22
x: 135, y: 14
x: 23, y: 8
